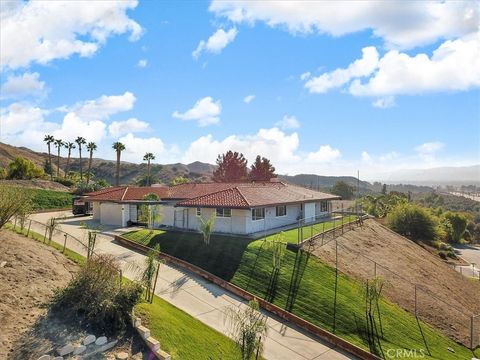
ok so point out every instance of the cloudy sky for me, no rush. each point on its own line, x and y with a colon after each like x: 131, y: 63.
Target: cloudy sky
x: 318, y: 87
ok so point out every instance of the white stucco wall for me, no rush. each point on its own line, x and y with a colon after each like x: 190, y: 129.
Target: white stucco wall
x: 272, y: 221
x: 96, y: 211
x: 112, y: 214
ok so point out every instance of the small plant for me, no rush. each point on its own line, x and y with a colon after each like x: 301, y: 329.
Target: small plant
x: 206, y: 228
x: 373, y: 291
x: 91, y: 238
x: 13, y: 202
x: 150, y: 274
x: 50, y: 227
x: 249, y: 326
x: 97, y: 295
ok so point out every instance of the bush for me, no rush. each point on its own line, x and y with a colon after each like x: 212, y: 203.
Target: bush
x: 98, y: 295
x: 413, y: 221
x: 458, y: 226
x: 23, y: 169
x: 63, y: 181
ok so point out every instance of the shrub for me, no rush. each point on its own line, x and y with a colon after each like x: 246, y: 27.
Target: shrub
x: 98, y: 295
x: 23, y: 169
x: 413, y: 221
x: 63, y: 181
x: 458, y: 226
x: 14, y: 201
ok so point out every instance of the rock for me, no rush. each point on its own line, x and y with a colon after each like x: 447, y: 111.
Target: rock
x: 108, y: 346
x: 144, y: 332
x: 43, y: 357
x: 65, y: 350
x: 121, y: 356
x: 2, y: 264
x: 153, y: 343
x: 162, y: 355
x: 102, y: 340
x: 58, y: 358
x: 79, y: 349
x: 450, y: 349
x: 89, y: 339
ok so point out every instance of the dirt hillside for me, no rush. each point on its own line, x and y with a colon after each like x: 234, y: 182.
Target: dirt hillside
x: 36, y: 184
x: 29, y: 274
x: 445, y: 298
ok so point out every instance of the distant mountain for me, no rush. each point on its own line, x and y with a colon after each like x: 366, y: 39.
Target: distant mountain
x: 460, y: 175
x: 105, y: 169
x: 326, y: 182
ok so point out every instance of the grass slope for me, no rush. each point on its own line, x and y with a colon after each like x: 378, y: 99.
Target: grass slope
x: 183, y: 336
x: 50, y: 199
x: 251, y: 266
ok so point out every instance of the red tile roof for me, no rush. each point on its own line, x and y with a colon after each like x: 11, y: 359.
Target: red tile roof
x: 231, y: 195
x: 126, y: 193
x: 249, y: 195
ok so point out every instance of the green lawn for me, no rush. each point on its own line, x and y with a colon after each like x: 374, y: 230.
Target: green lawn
x: 183, y: 336
x: 250, y: 264
x: 50, y: 199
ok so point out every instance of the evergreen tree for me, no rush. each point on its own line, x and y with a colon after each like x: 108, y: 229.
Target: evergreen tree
x: 261, y: 170
x: 232, y: 167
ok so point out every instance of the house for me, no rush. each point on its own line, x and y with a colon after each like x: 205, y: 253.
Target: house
x: 239, y: 208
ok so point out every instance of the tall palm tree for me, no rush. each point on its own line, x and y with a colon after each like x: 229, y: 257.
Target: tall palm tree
x: 58, y: 144
x: 69, y: 146
x: 49, y: 139
x: 91, y: 147
x: 80, y: 141
x: 148, y: 157
x: 119, y: 147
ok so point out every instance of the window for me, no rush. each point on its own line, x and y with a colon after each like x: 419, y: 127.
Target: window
x: 281, y: 210
x: 199, y: 212
x: 224, y: 212
x: 258, y: 214
x: 323, y: 206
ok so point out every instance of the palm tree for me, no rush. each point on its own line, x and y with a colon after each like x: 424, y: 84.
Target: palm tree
x: 58, y: 144
x: 148, y: 157
x: 69, y: 146
x: 49, y: 139
x: 91, y: 146
x: 80, y: 141
x: 119, y: 147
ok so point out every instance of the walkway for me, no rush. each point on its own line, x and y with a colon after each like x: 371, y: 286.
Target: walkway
x: 471, y: 254
x: 198, y: 297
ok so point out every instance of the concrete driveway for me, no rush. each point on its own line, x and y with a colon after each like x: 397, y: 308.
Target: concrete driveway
x: 203, y: 300
x: 470, y: 254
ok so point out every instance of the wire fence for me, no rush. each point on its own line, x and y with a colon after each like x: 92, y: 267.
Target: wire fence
x: 446, y: 314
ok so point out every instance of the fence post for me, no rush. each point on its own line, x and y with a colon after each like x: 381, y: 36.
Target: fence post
x: 45, y: 235
x: 415, y: 291
x: 342, y: 218
x: 471, y: 332
x: 29, y: 224
x: 336, y: 284
x: 374, y: 269
x: 64, y: 243
x: 15, y: 224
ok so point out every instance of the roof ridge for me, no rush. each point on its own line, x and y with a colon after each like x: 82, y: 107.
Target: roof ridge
x: 105, y: 190
x: 243, y: 196
x: 124, y: 193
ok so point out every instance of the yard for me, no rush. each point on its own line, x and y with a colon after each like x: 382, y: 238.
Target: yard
x: 248, y: 264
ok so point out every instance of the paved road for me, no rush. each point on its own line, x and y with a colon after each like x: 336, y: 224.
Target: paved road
x: 198, y: 297
x: 470, y: 254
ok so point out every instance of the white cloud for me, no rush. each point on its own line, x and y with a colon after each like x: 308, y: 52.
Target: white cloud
x: 25, y: 125
x: 104, y: 106
x: 324, y: 154
x: 453, y: 66
x: 42, y: 31
x: 428, y: 150
x: 366, y: 157
x: 305, y: 76
x: 23, y: 85
x: 402, y: 24
x: 288, y: 122
x: 136, y: 147
x: 133, y: 125
x: 384, y: 102
x: 205, y: 112
x: 142, y: 63
x: 215, y: 43
x: 339, y: 77
x: 248, y: 99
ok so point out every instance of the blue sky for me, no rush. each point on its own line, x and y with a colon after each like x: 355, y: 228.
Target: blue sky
x: 332, y: 87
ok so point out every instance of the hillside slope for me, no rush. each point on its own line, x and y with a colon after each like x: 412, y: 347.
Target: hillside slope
x: 105, y: 169
x: 445, y: 298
